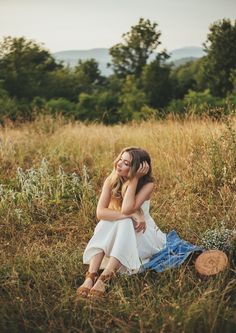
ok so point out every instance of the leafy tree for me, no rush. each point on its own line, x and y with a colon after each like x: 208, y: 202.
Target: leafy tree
x: 8, y: 106
x: 99, y: 106
x: 61, y: 106
x: 131, y: 55
x: 132, y: 100
x: 102, y: 104
x: 157, y: 83
x: 202, y: 103
x: 87, y: 107
x: 189, y: 76
x: 24, y: 67
x: 88, y: 75
x: 38, y: 104
x: 221, y: 56
x: 199, y: 98
x: 63, y: 83
x: 233, y: 80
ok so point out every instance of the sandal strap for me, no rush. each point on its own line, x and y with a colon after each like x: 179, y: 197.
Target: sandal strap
x: 83, y: 290
x: 106, y: 277
x: 96, y: 293
x: 93, y: 276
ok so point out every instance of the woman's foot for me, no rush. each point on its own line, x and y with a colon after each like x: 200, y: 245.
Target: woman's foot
x: 98, y: 289
x: 99, y: 286
x: 89, y: 281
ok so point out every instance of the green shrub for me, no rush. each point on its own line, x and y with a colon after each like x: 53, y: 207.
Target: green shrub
x: 61, y: 106
x: 8, y: 107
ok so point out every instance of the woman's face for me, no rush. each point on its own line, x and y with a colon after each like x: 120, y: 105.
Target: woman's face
x: 123, y: 165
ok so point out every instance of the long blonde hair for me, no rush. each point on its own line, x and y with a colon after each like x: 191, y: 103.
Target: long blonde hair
x: 119, y: 184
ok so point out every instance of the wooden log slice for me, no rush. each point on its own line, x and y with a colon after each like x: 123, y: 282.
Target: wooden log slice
x: 211, y: 262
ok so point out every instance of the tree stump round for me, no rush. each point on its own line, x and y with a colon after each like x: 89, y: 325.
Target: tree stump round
x: 211, y: 262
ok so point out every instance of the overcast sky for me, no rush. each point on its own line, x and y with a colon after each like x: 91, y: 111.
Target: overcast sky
x: 85, y: 24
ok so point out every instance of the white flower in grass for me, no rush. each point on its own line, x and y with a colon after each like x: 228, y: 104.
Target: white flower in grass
x: 218, y: 238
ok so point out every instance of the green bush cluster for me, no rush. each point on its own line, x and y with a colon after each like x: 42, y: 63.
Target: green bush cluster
x: 203, y: 104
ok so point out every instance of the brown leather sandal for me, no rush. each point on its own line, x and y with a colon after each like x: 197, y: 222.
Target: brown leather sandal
x: 94, y: 293
x: 83, y: 291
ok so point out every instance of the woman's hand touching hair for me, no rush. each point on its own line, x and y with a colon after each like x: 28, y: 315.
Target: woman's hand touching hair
x: 142, y: 170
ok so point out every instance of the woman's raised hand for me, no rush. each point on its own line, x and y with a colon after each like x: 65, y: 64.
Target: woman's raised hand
x: 142, y: 170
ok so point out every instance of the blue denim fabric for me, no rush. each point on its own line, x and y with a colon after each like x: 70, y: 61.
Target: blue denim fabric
x: 172, y: 255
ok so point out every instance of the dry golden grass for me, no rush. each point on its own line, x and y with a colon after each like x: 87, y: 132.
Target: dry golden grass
x: 46, y: 225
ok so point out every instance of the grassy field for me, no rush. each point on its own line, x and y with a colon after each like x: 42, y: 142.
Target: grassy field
x: 51, y: 176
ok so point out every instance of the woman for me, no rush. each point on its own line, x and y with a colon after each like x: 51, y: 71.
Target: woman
x: 126, y: 236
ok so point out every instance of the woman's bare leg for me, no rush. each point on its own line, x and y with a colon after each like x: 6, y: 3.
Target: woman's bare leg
x: 94, y: 266
x: 95, y: 262
x: 112, y: 266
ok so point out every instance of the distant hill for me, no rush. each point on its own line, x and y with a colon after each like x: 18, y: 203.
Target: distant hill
x: 187, y: 52
x: 71, y: 58
x: 182, y: 61
x: 101, y: 55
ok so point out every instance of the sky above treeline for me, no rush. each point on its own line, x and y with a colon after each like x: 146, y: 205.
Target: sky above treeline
x: 86, y: 24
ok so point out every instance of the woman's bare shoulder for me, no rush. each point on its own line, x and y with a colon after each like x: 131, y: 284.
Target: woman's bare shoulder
x: 150, y: 186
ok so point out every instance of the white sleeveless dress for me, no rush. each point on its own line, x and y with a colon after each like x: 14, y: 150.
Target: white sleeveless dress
x: 120, y: 240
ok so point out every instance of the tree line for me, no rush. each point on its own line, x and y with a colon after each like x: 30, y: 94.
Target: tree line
x: 33, y: 82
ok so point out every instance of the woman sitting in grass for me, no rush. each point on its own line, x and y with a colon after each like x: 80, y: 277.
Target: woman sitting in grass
x: 126, y: 236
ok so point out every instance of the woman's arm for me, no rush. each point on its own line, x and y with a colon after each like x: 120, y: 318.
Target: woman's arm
x: 132, y: 202
x: 105, y: 213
